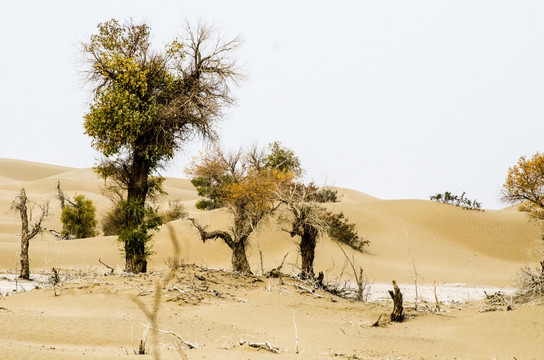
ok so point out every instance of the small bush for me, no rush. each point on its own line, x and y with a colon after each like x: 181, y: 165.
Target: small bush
x: 327, y: 195
x: 79, y: 218
x: 175, y: 211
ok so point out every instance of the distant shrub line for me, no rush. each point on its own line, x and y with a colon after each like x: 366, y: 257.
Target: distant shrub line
x: 461, y: 201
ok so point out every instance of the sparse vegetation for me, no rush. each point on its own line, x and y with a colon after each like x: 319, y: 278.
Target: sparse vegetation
x: 175, y: 211
x: 461, y: 201
x: 530, y: 282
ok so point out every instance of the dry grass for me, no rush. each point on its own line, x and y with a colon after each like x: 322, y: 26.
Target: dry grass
x: 530, y: 282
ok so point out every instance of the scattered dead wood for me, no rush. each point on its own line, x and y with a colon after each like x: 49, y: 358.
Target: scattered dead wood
x: 436, y: 303
x: 397, y: 314
x: 377, y: 322
x: 276, y: 272
x: 307, y: 290
x: 112, y: 269
x: 262, y: 346
x: 495, y: 300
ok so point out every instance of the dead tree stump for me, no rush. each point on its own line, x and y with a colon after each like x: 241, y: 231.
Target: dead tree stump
x: 397, y: 314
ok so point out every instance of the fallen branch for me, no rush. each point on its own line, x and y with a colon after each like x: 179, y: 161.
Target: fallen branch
x: 377, y: 322
x: 276, y: 272
x: 106, y: 265
x: 264, y: 346
x: 181, y: 340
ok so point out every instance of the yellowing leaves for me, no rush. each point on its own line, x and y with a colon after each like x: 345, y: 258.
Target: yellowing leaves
x: 524, y: 185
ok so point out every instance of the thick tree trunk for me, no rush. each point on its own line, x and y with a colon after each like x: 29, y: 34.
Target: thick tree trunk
x: 397, y: 314
x: 135, y: 242
x: 307, y: 251
x: 239, y: 258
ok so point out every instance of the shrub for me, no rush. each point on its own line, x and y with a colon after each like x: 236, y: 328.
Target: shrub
x: 79, y: 218
x: 530, y: 282
x: 175, y: 211
x: 461, y: 201
x: 326, y: 195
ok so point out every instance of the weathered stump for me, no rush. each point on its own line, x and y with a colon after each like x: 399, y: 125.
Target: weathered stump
x: 397, y: 314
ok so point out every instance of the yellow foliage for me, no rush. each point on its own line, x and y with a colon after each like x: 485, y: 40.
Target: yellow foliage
x: 524, y: 185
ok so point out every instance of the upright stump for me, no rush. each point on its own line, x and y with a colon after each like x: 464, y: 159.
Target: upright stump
x: 397, y: 314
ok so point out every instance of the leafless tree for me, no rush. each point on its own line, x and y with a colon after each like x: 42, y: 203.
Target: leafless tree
x: 29, y: 229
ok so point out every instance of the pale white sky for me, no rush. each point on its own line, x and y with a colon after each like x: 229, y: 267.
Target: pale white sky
x: 397, y: 99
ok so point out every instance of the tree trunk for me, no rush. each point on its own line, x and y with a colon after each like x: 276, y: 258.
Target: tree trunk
x: 25, y: 264
x: 307, y: 251
x: 136, y: 238
x: 397, y: 314
x: 239, y: 258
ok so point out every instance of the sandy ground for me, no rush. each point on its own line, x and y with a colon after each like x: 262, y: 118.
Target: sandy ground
x: 95, y: 315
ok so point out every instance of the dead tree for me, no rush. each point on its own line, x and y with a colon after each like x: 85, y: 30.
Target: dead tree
x: 28, y: 230
x: 397, y: 314
x: 63, y: 198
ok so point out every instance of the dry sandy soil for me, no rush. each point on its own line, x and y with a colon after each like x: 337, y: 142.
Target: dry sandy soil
x: 97, y: 315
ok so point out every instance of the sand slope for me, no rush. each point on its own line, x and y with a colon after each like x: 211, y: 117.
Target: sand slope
x: 444, y: 242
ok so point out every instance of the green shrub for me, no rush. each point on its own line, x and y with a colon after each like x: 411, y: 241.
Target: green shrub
x: 461, y: 201
x: 79, y: 218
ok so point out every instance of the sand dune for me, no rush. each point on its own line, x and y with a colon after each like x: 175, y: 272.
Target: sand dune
x: 444, y: 243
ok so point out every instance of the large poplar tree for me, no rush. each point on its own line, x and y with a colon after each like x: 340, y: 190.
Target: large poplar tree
x: 146, y: 104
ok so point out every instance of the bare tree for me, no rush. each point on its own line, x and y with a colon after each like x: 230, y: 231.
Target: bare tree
x: 29, y: 229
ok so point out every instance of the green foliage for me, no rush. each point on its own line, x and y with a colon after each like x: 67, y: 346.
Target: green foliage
x: 342, y: 230
x: 148, y: 219
x: 145, y: 105
x: 212, y: 189
x: 112, y: 221
x: 326, y: 195
x: 283, y: 159
x: 122, y: 215
x: 79, y: 219
x: 461, y: 201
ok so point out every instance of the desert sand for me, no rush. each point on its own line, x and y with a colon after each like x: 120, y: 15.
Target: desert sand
x: 94, y: 313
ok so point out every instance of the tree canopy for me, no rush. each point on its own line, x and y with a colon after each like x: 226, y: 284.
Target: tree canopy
x: 524, y: 185
x: 146, y: 104
x: 246, y: 187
